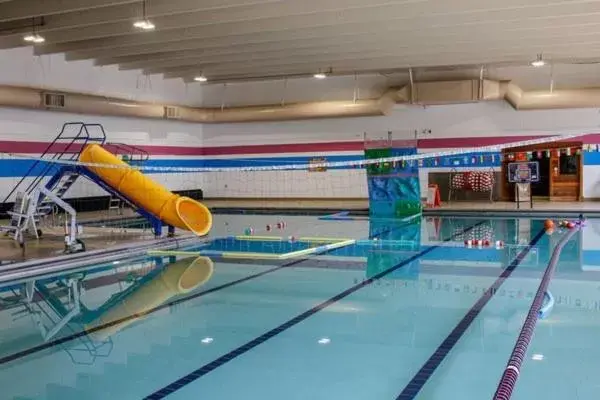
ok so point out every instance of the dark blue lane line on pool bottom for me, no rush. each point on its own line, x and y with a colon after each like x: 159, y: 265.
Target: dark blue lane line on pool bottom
x: 68, y: 338
x: 205, y: 369
x: 413, y: 388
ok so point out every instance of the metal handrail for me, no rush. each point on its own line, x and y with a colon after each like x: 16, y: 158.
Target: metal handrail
x: 83, y: 127
x: 129, y: 149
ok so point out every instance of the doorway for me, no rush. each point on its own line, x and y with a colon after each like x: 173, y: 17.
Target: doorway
x: 542, y: 187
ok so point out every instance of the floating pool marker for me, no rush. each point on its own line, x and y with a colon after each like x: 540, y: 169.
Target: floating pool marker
x: 324, y: 244
x: 480, y: 243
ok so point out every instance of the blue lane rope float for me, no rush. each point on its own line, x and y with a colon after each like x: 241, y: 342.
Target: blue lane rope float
x: 547, y: 307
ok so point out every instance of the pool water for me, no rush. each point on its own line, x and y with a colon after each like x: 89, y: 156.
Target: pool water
x: 405, y: 313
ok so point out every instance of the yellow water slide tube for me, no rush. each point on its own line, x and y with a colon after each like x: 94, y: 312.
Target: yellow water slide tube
x: 178, y: 278
x: 178, y: 211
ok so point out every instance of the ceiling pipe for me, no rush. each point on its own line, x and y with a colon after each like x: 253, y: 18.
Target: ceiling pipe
x: 423, y: 93
x: 33, y: 98
x: 297, y: 111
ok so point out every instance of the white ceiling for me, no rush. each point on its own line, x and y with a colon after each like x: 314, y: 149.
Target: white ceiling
x: 229, y: 40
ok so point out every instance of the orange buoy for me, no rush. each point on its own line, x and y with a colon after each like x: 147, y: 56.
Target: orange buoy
x: 548, y: 224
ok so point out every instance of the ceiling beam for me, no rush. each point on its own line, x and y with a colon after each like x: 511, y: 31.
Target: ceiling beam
x: 357, y: 63
x: 117, y: 20
x: 239, y: 53
x: 143, y: 52
x: 545, y: 37
x: 349, y: 63
x: 306, y: 35
x: 323, y: 59
x: 376, y: 15
x: 323, y: 33
x: 376, y: 43
x: 22, y: 9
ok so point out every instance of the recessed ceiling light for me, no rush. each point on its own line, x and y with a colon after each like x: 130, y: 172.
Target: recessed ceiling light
x: 34, y: 38
x: 537, y: 357
x: 320, y: 75
x: 201, y: 78
x: 324, y: 340
x: 207, y: 340
x: 144, y: 24
x: 539, y: 61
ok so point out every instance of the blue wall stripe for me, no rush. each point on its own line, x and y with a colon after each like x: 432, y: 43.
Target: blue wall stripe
x: 10, y: 168
x: 591, y: 158
x: 18, y: 168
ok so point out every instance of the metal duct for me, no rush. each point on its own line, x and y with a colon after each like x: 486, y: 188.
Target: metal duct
x: 326, y: 109
x: 452, y: 92
x: 13, y: 96
x: 425, y: 93
x: 34, y: 98
x: 556, y: 99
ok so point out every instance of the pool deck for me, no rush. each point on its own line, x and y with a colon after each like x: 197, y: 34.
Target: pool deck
x: 98, y: 237
x: 509, y: 209
x: 52, y: 242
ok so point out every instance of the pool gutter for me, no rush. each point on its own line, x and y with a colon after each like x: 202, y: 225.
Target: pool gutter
x: 457, y: 213
x: 67, y: 262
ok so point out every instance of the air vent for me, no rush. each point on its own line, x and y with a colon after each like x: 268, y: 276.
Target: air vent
x: 171, y: 112
x: 54, y: 100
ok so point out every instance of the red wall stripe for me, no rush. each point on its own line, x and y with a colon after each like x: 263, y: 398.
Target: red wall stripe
x: 274, y: 149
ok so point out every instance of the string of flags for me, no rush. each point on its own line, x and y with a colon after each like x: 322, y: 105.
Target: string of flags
x: 559, y: 152
x: 485, y: 159
x: 488, y: 159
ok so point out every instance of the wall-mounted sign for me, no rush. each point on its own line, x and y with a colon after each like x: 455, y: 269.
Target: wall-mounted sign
x: 524, y: 172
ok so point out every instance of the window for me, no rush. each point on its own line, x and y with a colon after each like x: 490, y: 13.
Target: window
x: 569, y: 165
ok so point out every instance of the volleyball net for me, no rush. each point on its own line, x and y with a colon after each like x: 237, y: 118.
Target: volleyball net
x: 266, y: 181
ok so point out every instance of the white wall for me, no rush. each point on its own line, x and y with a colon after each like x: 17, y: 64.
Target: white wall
x: 450, y: 121
x: 21, y: 68
x: 43, y: 126
x: 466, y: 120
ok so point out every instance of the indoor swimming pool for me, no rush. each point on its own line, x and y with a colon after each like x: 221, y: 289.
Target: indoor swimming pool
x: 404, y: 311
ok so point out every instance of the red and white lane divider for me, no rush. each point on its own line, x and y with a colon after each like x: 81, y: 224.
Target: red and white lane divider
x: 481, y: 243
